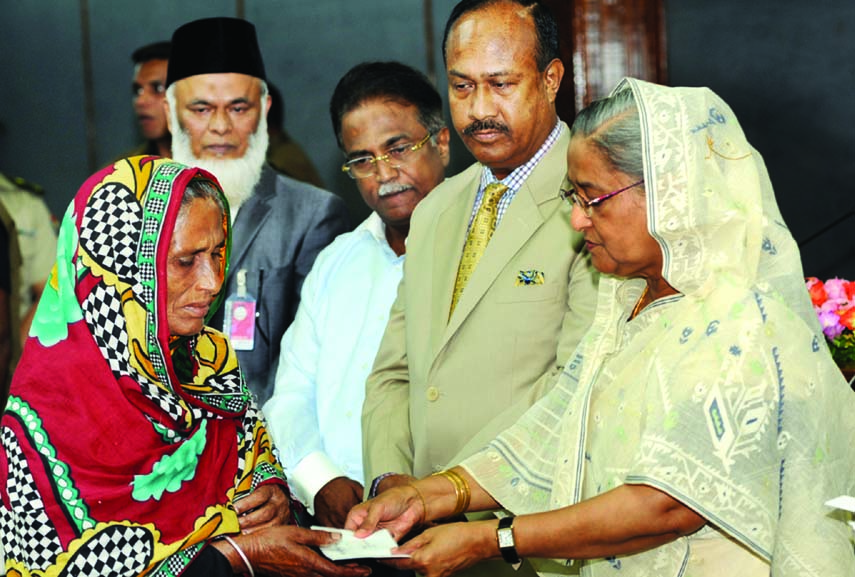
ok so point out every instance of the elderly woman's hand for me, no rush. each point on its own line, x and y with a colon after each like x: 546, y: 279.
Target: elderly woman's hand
x: 267, y: 506
x: 399, y: 509
x: 286, y: 550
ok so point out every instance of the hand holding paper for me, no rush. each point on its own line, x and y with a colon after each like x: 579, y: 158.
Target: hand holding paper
x: 378, y: 545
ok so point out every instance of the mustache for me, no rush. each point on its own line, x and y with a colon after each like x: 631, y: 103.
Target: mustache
x: 479, y: 125
x: 388, y: 188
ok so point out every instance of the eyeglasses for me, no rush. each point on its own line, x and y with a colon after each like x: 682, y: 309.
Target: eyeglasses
x: 396, y: 157
x: 588, y: 205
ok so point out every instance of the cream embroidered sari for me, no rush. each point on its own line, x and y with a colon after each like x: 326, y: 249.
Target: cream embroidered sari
x: 724, y: 396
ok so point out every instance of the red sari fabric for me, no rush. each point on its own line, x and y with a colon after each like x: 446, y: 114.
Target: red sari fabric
x: 124, y: 448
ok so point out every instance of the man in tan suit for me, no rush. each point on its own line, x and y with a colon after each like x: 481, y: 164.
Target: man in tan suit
x: 446, y: 381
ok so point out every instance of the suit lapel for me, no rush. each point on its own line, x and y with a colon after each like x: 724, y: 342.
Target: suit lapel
x: 518, y: 224
x: 533, y: 204
x: 450, y: 233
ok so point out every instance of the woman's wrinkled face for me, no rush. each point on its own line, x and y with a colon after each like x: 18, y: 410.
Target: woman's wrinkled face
x: 195, y: 266
x: 616, y: 232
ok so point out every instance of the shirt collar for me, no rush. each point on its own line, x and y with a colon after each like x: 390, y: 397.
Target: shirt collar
x: 375, y: 226
x: 515, y: 179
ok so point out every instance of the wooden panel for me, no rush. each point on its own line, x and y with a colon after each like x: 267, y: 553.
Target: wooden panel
x: 563, y: 12
x: 604, y: 40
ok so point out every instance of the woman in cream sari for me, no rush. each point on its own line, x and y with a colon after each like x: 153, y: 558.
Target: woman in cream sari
x: 701, y: 424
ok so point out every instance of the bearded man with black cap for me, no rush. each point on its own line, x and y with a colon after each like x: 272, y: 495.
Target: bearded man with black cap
x: 217, y: 102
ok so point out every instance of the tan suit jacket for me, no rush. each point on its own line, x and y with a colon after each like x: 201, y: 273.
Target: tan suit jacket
x: 441, y: 388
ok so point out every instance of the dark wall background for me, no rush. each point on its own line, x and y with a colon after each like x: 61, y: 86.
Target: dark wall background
x: 787, y: 68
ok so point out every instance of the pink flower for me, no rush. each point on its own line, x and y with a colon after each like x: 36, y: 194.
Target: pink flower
x: 830, y: 323
x: 834, y: 304
x: 835, y: 288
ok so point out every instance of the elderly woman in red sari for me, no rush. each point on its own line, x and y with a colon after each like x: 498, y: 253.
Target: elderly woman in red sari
x: 131, y: 445
x: 701, y: 424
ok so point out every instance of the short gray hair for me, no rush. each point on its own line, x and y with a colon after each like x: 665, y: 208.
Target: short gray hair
x: 612, y: 124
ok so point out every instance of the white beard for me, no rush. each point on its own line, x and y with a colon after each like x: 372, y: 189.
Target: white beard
x: 237, y: 176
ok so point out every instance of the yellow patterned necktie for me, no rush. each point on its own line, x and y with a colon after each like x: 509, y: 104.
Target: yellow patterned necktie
x: 479, y: 235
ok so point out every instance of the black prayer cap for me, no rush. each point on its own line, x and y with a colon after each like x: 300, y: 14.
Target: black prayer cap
x: 213, y: 46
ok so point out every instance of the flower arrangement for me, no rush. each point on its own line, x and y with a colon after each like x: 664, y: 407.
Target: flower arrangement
x: 834, y: 302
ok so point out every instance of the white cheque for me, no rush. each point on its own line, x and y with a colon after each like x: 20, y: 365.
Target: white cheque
x: 378, y: 545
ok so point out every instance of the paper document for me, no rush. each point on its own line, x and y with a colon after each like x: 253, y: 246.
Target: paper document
x: 378, y: 545
x: 844, y: 502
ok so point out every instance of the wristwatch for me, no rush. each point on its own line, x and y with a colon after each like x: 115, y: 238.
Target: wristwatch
x: 505, y: 537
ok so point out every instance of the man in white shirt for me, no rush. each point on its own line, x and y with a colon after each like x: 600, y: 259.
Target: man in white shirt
x: 388, y: 122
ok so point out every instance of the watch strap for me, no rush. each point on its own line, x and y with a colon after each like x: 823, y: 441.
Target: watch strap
x: 505, y: 538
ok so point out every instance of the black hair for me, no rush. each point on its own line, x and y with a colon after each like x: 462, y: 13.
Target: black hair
x: 154, y: 51
x: 545, y: 27
x: 392, y: 80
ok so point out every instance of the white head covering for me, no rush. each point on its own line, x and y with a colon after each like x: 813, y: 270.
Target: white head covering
x: 724, y: 396
x: 710, y: 201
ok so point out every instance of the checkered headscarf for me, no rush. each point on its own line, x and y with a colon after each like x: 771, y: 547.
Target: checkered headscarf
x: 116, y: 459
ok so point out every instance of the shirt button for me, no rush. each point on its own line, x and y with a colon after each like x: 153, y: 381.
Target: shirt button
x: 432, y: 394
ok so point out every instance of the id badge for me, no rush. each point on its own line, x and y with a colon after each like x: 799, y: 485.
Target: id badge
x: 240, y: 322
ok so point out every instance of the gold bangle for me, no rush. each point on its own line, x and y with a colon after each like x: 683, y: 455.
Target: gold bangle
x: 464, y: 487
x: 461, y: 491
x: 422, y: 499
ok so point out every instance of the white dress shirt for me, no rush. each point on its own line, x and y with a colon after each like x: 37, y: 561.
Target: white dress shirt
x: 314, y: 415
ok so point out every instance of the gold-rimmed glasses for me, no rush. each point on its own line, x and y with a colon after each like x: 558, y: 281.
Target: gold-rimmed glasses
x: 588, y: 205
x: 396, y: 157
